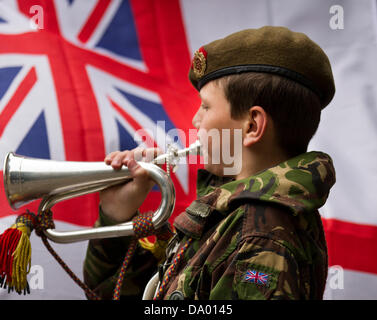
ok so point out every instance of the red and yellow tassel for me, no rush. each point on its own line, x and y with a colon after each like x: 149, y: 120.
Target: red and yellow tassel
x: 15, y: 254
x: 159, y: 245
x: 157, y: 248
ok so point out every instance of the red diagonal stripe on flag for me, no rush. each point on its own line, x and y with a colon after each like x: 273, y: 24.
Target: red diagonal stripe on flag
x: 16, y: 100
x: 93, y: 20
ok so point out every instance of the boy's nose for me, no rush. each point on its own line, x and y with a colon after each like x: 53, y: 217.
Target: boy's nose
x: 196, y: 120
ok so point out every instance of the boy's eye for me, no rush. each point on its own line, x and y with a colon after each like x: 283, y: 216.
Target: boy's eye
x: 204, y: 107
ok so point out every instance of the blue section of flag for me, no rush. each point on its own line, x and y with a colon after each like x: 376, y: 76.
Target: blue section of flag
x: 120, y: 37
x: 125, y: 140
x: 2, y: 20
x: 35, y: 144
x: 154, y: 111
x: 6, y: 77
x: 70, y: 1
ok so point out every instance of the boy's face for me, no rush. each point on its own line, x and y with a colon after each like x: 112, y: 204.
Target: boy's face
x: 219, y: 134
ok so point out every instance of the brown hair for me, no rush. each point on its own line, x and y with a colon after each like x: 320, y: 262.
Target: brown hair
x: 294, y: 109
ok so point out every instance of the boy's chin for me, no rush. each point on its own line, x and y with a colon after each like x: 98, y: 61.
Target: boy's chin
x: 215, y: 169
x: 222, y: 170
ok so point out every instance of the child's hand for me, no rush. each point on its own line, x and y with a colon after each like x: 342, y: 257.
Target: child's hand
x: 120, y: 203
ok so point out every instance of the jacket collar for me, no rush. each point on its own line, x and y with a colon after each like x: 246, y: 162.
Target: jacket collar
x: 301, y: 184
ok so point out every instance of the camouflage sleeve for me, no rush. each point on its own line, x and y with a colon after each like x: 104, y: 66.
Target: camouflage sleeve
x: 103, y: 261
x: 262, y: 269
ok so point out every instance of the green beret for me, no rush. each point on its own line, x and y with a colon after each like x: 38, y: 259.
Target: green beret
x: 276, y: 50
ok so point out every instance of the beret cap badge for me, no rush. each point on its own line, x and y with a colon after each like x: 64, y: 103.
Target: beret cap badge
x: 199, y: 62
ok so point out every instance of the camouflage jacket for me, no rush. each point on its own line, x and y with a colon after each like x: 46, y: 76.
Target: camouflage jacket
x: 256, y: 238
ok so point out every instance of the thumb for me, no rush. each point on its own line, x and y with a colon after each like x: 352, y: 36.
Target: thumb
x: 137, y: 172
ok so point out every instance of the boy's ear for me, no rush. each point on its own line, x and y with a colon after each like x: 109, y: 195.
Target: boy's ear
x: 255, y: 125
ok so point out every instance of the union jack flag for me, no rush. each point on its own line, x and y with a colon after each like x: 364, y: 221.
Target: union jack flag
x: 87, y: 80
x: 79, y: 79
x: 256, y: 277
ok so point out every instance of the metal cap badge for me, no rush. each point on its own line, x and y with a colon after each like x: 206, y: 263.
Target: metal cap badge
x: 199, y: 62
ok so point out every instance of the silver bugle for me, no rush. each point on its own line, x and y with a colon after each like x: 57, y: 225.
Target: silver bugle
x: 27, y: 179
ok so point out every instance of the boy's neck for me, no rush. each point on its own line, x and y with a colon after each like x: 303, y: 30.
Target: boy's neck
x: 256, y: 161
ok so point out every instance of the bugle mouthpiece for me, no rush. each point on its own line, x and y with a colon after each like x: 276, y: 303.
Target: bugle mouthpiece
x: 173, y: 154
